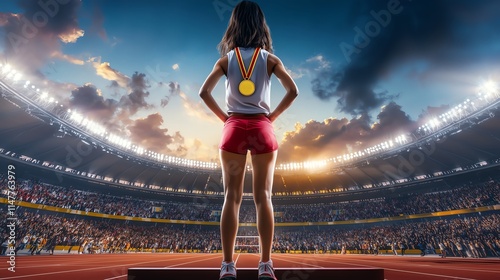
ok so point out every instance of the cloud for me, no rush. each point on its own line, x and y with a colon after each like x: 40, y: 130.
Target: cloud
x: 35, y: 35
x: 104, y: 70
x: 309, y: 67
x: 432, y: 111
x: 200, y: 150
x: 355, y: 93
x: 197, y: 109
x: 89, y: 99
x: 4, y: 18
x: 68, y: 58
x: 148, y: 133
x: 193, y: 108
x: 71, y: 36
x: 392, y: 122
x: 319, y: 140
x: 442, y: 35
x: 296, y: 74
x: 135, y: 100
x: 332, y: 137
x: 115, y: 114
x: 320, y: 60
x: 59, y: 90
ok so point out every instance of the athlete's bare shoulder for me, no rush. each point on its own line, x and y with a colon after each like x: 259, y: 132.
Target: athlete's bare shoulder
x: 222, y: 63
x: 273, y: 59
x: 272, y: 62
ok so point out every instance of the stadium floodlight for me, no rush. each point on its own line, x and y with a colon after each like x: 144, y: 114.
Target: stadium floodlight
x: 111, y: 137
x: 78, y: 118
x: 85, y: 122
x: 6, y: 68
x: 11, y: 74
x: 17, y: 77
x: 140, y: 150
x: 489, y: 87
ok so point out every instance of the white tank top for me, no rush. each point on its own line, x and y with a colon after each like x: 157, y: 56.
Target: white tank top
x: 259, y: 101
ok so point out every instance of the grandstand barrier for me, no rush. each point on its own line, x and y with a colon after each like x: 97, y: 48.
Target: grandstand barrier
x: 145, y: 273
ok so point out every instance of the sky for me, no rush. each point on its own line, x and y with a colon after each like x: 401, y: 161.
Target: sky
x: 367, y: 70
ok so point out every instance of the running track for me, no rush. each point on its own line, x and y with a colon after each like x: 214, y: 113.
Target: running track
x: 114, y: 266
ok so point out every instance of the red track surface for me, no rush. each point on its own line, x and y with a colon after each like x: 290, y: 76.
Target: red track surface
x: 114, y: 267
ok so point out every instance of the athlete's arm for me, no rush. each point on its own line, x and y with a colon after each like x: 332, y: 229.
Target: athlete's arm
x: 277, y: 68
x: 208, y: 86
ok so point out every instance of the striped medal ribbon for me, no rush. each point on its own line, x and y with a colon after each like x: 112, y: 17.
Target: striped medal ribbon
x: 246, y: 87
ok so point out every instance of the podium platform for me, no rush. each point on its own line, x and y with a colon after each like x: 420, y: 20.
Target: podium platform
x: 291, y: 273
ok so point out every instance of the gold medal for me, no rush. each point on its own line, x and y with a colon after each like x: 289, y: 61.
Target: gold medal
x: 246, y: 87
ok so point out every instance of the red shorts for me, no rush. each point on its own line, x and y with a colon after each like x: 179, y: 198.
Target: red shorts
x: 254, y: 133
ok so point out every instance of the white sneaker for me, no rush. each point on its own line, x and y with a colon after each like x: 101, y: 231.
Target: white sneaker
x: 227, y: 271
x: 266, y: 271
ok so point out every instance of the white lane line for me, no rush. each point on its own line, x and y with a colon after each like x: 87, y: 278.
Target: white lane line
x: 237, y: 257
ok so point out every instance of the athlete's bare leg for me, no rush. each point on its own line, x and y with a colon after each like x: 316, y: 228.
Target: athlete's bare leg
x: 263, y: 175
x: 233, y: 173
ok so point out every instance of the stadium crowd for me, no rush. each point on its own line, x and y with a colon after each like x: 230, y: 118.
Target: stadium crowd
x: 463, y: 197
x: 474, y: 236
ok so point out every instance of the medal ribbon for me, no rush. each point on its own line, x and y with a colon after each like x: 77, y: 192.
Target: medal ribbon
x: 246, y: 75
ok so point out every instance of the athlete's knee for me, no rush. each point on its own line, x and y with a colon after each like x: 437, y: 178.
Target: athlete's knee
x: 262, y: 197
x: 234, y: 197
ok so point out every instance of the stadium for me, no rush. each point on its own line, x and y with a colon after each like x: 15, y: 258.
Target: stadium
x: 434, y: 189
x: 79, y: 200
